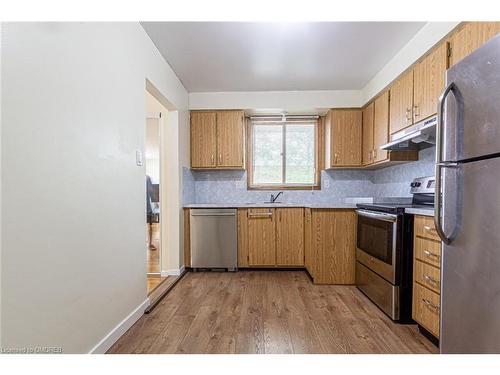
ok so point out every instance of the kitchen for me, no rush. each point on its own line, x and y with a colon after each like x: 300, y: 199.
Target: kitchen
x: 345, y: 194
x: 303, y: 188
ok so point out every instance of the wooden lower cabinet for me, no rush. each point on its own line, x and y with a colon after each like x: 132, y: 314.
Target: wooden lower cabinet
x: 290, y: 237
x: 187, y: 238
x: 261, y: 237
x: 308, y: 256
x: 321, y: 240
x: 426, y: 275
x: 331, y: 258
x: 270, y: 237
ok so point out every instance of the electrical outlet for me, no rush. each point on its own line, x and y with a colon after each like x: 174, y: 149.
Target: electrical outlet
x: 326, y: 183
x: 240, y: 184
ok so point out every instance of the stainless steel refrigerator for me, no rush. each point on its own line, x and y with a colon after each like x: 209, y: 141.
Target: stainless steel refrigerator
x: 467, y: 203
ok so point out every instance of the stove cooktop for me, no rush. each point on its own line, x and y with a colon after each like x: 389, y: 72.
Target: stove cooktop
x: 393, y: 207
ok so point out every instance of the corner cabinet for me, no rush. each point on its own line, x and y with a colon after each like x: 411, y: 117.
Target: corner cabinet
x: 376, y: 134
x: 330, y: 236
x: 217, y: 139
x: 343, y: 138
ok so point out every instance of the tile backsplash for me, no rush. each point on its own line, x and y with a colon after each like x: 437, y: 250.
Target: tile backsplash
x: 226, y: 186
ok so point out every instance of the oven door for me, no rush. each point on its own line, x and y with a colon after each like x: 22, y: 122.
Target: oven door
x: 376, y: 243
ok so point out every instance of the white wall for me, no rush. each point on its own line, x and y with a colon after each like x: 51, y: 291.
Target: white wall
x: 292, y: 101
x: 73, y: 246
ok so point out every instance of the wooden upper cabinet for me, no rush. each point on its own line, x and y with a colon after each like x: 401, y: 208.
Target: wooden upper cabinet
x: 401, y: 103
x: 344, y: 138
x: 368, y: 112
x: 380, y: 127
x: 230, y: 131
x: 469, y: 37
x: 290, y: 237
x: 261, y: 233
x: 217, y: 139
x: 428, y: 78
x: 203, y: 139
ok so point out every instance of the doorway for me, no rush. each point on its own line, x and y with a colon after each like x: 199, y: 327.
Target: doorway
x: 153, y: 217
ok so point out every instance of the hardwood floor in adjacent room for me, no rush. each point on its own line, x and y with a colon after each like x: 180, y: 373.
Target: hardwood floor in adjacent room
x: 267, y: 312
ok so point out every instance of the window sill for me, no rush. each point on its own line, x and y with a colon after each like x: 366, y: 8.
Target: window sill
x: 284, y: 187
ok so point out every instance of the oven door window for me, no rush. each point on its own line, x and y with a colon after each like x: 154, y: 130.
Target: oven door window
x: 375, y: 237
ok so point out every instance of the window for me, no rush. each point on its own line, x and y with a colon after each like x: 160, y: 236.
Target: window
x: 283, y: 154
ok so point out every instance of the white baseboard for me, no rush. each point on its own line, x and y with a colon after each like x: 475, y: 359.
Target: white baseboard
x: 172, y: 272
x: 120, y: 329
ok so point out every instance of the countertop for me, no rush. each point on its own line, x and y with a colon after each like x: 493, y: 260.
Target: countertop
x: 275, y: 205
x: 420, y: 211
x: 414, y: 211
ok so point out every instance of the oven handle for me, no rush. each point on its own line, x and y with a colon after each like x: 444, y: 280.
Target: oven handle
x: 377, y: 215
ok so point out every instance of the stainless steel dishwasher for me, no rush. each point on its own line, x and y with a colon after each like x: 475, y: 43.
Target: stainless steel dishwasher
x: 213, y: 238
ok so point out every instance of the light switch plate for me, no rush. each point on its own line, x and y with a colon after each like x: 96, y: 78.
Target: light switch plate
x: 240, y: 184
x: 138, y: 158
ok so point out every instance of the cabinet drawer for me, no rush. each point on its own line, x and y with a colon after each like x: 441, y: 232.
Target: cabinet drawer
x: 424, y: 227
x: 428, y: 251
x: 426, y: 308
x: 428, y: 276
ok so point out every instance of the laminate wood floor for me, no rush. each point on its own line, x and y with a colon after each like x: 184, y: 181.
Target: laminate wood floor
x: 267, y: 312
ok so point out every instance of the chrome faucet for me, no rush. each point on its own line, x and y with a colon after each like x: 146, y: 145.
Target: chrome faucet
x: 273, y: 198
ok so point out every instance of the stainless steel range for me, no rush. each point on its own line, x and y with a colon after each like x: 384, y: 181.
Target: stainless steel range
x: 384, y: 254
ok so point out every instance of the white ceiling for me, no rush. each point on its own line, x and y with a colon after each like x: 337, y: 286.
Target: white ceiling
x: 244, y: 56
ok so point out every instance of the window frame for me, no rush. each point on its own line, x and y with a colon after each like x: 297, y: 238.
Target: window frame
x: 318, y: 135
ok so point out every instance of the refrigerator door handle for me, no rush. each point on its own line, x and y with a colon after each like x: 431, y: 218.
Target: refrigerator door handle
x: 439, y: 157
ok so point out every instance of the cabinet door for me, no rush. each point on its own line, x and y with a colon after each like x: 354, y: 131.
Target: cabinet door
x: 401, y: 103
x: 308, y: 254
x: 381, y: 127
x: 346, y: 138
x: 428, y: 79
x: 203, y: 143
x: 334, y: 245
x: 469, y: 37
x: 230, y: 130
x: 290, y: 237
x: 261, y: 237
x: 368, y: 134
x: 242, y: 237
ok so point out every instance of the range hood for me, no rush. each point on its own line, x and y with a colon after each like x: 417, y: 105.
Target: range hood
x: 416, y: 137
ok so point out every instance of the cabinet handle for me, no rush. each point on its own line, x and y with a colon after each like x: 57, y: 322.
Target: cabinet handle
x: 370, y: 155
x: 261, y: 214
x: 408, y: 114
x: 220, y: 158
x: 430, y: 254
x: 430, y: 304
x: 374, y: 154
x: 336, y: 158
x: 415, y: 112
x: 212, y: 158
x: 429, y: 229
x: 431, y: 280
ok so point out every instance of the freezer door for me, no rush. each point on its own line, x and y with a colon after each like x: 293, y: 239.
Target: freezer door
x: 477, y: 81
x: 470, y: 265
